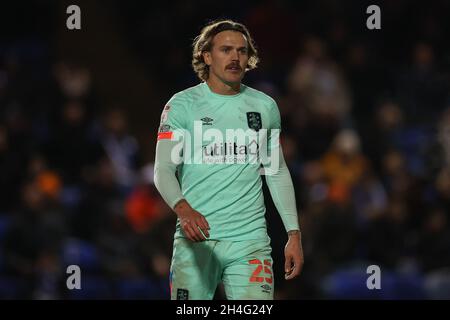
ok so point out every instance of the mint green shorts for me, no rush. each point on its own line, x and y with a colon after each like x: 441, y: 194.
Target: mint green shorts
x: 244, y: 268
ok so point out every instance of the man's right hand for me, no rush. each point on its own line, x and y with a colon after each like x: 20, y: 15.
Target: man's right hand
x: 192, y: 222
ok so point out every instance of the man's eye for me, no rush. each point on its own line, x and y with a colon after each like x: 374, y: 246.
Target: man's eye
x: 226, y: 49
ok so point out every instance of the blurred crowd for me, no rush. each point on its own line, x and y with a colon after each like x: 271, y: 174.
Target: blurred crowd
x: 366, y: 135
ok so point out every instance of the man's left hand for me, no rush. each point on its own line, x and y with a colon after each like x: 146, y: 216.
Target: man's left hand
x: 293, y: 253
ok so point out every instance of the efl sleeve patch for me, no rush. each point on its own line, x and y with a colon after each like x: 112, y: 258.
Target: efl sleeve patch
x: 165, y: 136
x: 164, y: 132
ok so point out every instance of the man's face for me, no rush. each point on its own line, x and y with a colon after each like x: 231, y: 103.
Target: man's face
x: 228, y: 57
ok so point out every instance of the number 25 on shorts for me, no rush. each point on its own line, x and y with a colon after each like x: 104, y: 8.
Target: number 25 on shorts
x: 255, y: 277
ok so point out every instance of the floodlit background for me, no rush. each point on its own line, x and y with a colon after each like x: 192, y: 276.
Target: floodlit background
x: 366, y: 135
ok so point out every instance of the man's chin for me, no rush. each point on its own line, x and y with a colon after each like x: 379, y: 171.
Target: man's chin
x: 232, y: 81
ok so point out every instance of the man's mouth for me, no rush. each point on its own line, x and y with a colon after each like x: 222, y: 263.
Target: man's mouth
x: 234, y: 68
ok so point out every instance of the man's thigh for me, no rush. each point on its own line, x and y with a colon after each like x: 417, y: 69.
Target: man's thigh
x: 194, y: 271
x: 250, y: 277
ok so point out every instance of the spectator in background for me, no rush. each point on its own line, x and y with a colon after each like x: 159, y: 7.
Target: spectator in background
x: 73, y: 80
x: 271, y: 17
x: 121, y: 148
x: 366, y: 80
x: 378, y: 136
x: 74, y: 145
x: 435, y: 245
x: 400, y: 184
x: 11, y: 164
x: 143, y: 208
x: 369, y: 199
x: 444, y: 136
x: 318, y: 85
x: 388, y: 237
x: 442, y: 186
x: 343, y: 166
x: 102, y: 201
x: 422, y: 89
x: 35, y: 236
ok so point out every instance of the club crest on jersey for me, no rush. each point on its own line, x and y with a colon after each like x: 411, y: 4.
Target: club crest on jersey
x: 254, y: 120
x: 164, y: 132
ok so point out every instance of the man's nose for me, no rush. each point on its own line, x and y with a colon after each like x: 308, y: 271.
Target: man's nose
x: 235, y: 55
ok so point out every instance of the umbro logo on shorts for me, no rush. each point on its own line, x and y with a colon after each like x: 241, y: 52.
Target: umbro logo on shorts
x: 266, y: 288
x: 182, y: 294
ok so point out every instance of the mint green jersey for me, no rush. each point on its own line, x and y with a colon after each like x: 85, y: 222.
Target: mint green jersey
x: 228, y: 193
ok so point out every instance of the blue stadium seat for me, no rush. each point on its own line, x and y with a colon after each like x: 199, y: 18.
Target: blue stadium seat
x: 140, y: 289
x: 350, y: 283
x: 70, y: 196
x: 437, y: 284
x: 11, y: 288
x: 81, y: 253
x: 5, y: 222
x: 2, y: 261
x: 92, y: 288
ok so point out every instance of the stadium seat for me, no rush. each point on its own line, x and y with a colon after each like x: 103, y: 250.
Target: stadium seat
x: 11, y: 288
x: 137, y: 289
x: 80, y: 253
x: 5, y: 222
x: 437, y: 284
x: 92, y: 288
x: 70, y: 196
x: 350, y: 283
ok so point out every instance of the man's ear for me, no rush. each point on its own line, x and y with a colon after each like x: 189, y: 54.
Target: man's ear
x: 207, y: 57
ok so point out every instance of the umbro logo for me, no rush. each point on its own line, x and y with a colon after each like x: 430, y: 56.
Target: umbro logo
x: 266, y: 287
x: 182, y: 294
x: 207, y: 121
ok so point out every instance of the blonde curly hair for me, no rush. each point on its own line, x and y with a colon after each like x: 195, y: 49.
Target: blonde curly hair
x: 203, y: 43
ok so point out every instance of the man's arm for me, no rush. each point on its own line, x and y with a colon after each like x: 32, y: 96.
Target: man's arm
x: 193, y: 223
x: 282, y: 191
x: 164, y: 172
